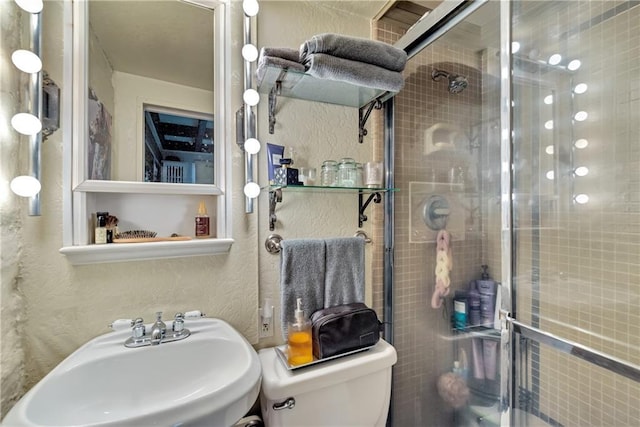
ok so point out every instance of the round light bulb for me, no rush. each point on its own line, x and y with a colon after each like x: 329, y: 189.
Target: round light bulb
x: 548, y: 124
x: 581, y: 116
x: 26, y: 124
x: 555, y: 59
x: 580, y: 88
x: 25, y: 186
x: 581, y: 199
x: 250, y: 7
x: 548, y: 99
x: 550, y: 175
x: 251, y: 190
x: 249, y: 52
x: 574, y: 65
x: 549, y: 149
x: 581, y: 143
x: 31, y: 6
x: 515, y: 47
x: 26, y: 61
x: 581, y: 171
x: 251, y: 97
x: 252, y: 146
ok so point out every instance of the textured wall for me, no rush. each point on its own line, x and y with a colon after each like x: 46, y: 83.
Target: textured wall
x: 12, y: 83
x: 316, y: 132
x: 64, y: 306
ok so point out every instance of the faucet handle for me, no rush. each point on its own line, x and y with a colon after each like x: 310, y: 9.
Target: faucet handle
x: 138, y: 328
x: 178, y: 322
x: 159, y: 323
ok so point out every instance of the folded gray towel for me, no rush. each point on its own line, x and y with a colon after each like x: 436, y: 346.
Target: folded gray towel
x: 344, y: 277
x: 356, y: 49
x: 265, y: 61
x: 330, y: 67
x: 302, y: 275
x: 281, y: 52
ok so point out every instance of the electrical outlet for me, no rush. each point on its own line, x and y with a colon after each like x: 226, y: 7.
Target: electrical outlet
x: 265, y: 323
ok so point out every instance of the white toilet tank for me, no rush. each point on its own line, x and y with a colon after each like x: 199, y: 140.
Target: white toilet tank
x: 350, y: 391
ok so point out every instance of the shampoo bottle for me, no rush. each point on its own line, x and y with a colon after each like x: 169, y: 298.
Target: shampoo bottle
x: 300, y: 345
x: 202, y: 221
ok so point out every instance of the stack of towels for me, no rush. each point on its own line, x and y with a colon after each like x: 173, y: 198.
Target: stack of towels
x: 354, y: 60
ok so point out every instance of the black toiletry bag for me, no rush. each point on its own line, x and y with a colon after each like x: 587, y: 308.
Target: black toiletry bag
x: 344, y: 328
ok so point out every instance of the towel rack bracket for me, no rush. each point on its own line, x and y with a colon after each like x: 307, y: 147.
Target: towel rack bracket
x: 275, y: 196
x: 374, y: 197
x: 364, y: 113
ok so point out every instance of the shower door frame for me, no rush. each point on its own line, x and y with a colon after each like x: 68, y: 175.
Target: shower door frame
x: 437, y: 23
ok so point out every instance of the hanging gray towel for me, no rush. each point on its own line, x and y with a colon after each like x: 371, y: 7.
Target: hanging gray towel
x: 329, y: 67
x: 344, y: 277
x: 281, y: 57
x: 302, y: 275
x: 356, y: 49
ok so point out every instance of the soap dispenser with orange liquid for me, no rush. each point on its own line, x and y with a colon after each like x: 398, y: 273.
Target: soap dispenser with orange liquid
x: 300, y: 344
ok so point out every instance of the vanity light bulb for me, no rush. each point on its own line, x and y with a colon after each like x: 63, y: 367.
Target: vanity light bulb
x: 515, y: 47
x: 581, y: 143
x: 555, y: 59
x: 31, y: 6
x: 548, y: 99
x: 250, y: 7
x: 581, y: 116
x: 251, y: 190
x: 251, y: 97
x: 26, y: 61
x: 581, y: 171
x: 574, y: 65
x: 26, y: 124
x: 252, y: 146
x: 25, y: 186
x: 249, y: 52
x: 581, y: 199
x: 548, y: 124
x: 549, y: 149
x: 550, y: 175
x: 580, y: 88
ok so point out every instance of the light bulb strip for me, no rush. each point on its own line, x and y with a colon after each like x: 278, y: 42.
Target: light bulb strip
x: 249, y: 124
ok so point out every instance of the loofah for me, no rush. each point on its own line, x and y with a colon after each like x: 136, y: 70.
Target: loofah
x: 453, y: 390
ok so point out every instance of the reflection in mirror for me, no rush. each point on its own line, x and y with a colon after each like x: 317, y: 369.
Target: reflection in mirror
x: 151, y: 91
x: 178, y: 146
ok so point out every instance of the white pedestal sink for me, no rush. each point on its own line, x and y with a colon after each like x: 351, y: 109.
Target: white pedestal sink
x: 211, y: 378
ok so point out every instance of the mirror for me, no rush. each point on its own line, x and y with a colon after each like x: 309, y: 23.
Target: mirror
x: 151, y: 100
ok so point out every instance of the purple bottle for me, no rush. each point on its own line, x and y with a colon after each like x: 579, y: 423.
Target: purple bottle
x: 473, y: 300
x: 487, y: 289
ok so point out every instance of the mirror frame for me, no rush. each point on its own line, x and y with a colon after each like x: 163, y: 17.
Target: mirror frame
x: 76, y: 38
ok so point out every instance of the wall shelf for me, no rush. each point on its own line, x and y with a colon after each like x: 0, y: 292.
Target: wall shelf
x: 293, y: 84
x: 119, y: 252
x: 372, y: 195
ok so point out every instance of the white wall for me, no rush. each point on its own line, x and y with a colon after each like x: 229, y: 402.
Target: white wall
x: 131, y: 93
x: 63, y: 306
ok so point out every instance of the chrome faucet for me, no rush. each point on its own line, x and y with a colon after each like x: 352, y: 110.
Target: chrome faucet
x: 158, y: 330
x: 158, y: 333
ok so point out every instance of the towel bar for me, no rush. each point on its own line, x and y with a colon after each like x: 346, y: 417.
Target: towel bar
x: 272, y: 244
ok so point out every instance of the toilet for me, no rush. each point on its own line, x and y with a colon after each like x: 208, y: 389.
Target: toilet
x: 350, y: 391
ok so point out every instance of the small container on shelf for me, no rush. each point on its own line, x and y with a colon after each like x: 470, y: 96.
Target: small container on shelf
x: 329, y: 173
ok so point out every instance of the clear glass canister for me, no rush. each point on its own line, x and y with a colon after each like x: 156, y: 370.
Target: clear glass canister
x: 347, y: 172
x: 329, y: 173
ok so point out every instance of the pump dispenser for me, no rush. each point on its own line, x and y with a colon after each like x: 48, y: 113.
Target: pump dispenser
x: 300, y: 344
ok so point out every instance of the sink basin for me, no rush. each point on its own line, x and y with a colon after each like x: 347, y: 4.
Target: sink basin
x: 211, y: 378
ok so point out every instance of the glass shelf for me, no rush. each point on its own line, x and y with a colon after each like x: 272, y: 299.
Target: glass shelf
x: 323, y: 189
x: 294, y: 84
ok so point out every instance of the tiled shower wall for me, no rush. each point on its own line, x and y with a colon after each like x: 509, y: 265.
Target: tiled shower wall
x: 422, y: 335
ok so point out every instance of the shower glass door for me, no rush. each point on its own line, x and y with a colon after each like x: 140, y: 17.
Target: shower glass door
x: 576, y: 211
x: 447, y: 169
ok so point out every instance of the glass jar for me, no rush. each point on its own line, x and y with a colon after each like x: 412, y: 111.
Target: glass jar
x: 329, y: 173
x: 347, y: 172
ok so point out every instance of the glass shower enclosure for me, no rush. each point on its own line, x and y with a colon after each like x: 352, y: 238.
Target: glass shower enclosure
x: 516, y: 147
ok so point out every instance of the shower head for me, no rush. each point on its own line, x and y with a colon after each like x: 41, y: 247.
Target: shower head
x: 457, y: 83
